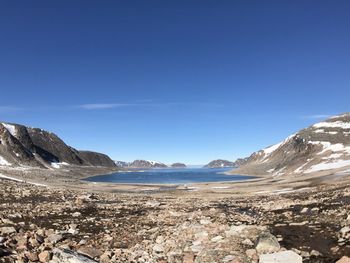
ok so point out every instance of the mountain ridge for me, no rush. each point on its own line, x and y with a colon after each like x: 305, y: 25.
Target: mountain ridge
x: 26, y: 146
x: 323, y: 146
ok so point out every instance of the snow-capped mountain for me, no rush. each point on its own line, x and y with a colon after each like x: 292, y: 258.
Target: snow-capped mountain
x: 324, y: 146
x: 21, y: 145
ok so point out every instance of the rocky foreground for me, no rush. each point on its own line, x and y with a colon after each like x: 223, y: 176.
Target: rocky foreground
x: 42, y: 224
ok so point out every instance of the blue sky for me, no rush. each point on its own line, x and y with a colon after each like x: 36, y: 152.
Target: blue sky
x: 187, y: 81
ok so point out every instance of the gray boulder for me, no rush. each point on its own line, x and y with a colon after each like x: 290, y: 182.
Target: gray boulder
x: 267, y: 243
x: 69, y: 256
x: 281, y: 257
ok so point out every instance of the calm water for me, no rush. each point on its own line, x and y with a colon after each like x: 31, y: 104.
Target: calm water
x: 170, y: 176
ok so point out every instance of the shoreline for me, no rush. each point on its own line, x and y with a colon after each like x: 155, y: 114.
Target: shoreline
x: 73, y: 178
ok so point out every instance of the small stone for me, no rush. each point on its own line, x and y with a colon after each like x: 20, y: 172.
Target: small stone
x: 188, y: 257
x: 32, y: 256
x: 247, y: 242
x: 6, y: 230
x: 106, y: 257
x: 344, y: 259
x: 216, y: 239
x: 344, y: 231
x: 158, y: 248
x: 305, y: 210
x: 228, y: 258
x: 315, y: 253
x: 91, y: 252
x: 44, y: 256
x: 55, y: 238
x: 204, y: 221
x: 76, y: 214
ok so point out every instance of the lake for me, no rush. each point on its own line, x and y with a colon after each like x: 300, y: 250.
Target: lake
x: 169, y: 176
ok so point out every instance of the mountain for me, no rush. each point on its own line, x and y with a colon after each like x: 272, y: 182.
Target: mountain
x: 147, y: 164
x: 122, y: 164
x: 178, y: 165
x: 219, y: 163
x: 324, y: 146
x: 21, y: 145
x: 240, y: 161
x: 97, y: 159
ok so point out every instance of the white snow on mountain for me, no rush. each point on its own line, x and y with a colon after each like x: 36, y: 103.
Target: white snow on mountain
x: 269, y: 150
x: 336, y: 124
x: 58, y: 165
x: 11, y: 128
x: 328, y: 166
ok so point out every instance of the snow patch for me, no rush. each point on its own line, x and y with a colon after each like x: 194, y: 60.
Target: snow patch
x: 336, y: 124
x: 58, y: 165
x: 269, y: 150
x: 328, y: 166
x: 11, y: 129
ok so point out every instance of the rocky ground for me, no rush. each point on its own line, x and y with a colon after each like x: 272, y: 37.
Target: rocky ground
x: 47, y: 224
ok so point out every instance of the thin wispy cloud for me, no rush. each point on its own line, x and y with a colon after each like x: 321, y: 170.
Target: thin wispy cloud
x: 104, y: 106
x: 4, y: 109
x: 145, y: 103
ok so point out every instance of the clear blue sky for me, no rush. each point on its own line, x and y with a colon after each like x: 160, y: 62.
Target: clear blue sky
x: 185, y: 81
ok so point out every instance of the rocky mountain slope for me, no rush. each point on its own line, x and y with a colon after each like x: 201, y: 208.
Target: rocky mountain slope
x: 219, y: 163
x: 21, y: 145
x: 322, y: 147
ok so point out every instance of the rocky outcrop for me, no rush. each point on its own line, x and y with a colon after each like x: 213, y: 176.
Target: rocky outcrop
x: 21, y: 145
x: 220, y: 164
x: 322, y: 147
x: 178, y: 165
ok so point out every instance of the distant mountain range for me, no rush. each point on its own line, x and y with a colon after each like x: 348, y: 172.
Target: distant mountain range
x: 324, y: 146
x: 219, y: 163
x: 147, y: 164
x: 26, y: 146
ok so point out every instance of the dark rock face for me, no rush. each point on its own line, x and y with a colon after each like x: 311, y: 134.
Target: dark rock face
x: 220, y: 163
x: 21, y: 145
x: 147, y: 164
x: 320, y: 147
x: 12, y: 151
x: 51, y: 143
x: 178, y: 165
x: 96, y: 159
